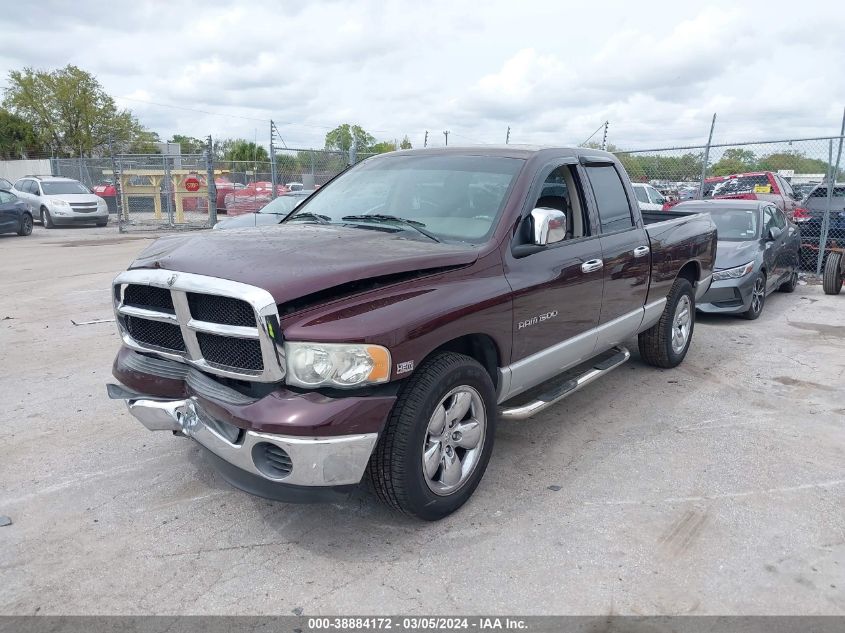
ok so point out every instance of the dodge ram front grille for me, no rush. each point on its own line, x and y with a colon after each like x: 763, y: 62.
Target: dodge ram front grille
x: 218, y: 326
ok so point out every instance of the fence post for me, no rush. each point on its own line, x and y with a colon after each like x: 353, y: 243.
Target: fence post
x: 831, y: 185
x: 273, y: 178
x: 212, y: 187
x: 168, y: 190
x: 706, y: 158
x: 118, y: 188
x: 353, y: 150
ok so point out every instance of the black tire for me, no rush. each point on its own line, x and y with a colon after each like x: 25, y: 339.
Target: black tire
x: 756, y: 308
x: 790, y: 284
x: 656, y: 342
x: 26, y: 225
x: 46, y: 219
x: 832, y: 279
x: 396, y: 466
x: 102, y: 222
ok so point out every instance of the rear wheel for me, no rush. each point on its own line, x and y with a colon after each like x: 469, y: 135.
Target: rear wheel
x: 26, y: 225
x: 46, y: 220
x: 665, y: 344
x: 438, y: 439
x: 758, y: 298
x: 833, y: 278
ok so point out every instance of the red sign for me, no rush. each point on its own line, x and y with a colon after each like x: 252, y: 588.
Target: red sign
x: 192, y: 183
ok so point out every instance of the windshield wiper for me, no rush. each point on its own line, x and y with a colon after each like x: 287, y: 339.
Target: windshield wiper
x: 380, y: 217
x: 320, y: 219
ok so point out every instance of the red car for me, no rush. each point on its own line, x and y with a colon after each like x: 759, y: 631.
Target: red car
x: 251, y: 198
x: 762, y: 185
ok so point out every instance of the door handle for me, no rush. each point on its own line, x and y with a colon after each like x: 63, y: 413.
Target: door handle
x: 592, y: 265
x: 641, y: 251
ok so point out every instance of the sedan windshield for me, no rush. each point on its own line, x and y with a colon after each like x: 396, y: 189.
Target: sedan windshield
x: 451, y: 197
x: 63, y: 187
x: 282, y: 205
x: 735, y: 225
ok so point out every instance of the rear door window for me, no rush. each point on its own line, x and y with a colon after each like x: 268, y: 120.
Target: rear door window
x: 612, y: 201
x: 641, y: 194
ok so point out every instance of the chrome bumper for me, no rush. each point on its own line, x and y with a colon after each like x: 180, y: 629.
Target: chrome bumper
x: 316, y: 461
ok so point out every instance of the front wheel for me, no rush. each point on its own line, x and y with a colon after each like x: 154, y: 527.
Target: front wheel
x: 833, y: 278
x: 437, y: 442
x: 665, y: 344
x: 758, y: 298
x: 46, y: 220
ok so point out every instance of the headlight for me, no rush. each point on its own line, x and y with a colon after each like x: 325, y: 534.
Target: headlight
x: 733, y: 273
x: 60, y: 203
x: 336, y: 365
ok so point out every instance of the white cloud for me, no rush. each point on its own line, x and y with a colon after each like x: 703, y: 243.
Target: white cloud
x: 553, y: 72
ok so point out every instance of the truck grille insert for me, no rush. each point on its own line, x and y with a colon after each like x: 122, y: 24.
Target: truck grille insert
x: 231, y: 352
x: 271, y: 460
x: 155, y: 334
x: 149, y: 297
x: 217, y: 309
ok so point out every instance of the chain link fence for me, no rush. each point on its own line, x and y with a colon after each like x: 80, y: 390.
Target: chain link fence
x: 189, y: 191
x: 154, y: 192
x: 791, y: 173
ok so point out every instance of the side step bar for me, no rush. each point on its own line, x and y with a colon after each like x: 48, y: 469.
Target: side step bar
x: 555, y: 395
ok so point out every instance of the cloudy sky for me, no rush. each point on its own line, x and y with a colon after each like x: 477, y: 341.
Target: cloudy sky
x: 553, y: 71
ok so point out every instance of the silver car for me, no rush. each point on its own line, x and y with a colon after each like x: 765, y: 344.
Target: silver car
x: 61, y: 201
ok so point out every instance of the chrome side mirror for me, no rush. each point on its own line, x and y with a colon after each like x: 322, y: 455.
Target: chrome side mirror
x: 549, y: 225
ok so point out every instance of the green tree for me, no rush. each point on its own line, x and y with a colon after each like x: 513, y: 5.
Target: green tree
x: 17, y: 137
x: 188, y: 144
x: 245, y: 151
x: 381, y: 147
x: 69, y: 111
x: 405, y: 144
x: 793, y: 160
x: 734, y: 161
x: 340, y: 138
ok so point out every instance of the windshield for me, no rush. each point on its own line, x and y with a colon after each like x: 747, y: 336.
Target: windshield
x: 735, y: 225
x: 63, y: 187
x: 452, y: 197
x: 744, y: 184
x: 282, y: 205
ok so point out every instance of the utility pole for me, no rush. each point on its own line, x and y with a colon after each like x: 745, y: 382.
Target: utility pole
x: 446, y: 134
x: 508, y: 136
x: 425, y: 141
x: 272, y: 163
x: 209, y: 175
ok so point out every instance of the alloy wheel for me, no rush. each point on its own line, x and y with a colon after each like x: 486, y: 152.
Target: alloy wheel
x: 681, y: 323
x: 454, y: 440
x: 758, y: 294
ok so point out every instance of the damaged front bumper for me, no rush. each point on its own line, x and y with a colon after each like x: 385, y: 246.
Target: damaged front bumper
x: 283, y: 467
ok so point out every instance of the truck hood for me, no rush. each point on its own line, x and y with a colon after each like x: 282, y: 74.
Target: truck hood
x: 295, y: 260
x: 731, y: 253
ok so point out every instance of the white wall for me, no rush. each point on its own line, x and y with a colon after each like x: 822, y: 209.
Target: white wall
x: 14, y: 169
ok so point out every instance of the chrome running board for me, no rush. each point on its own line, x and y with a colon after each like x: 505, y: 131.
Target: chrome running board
x: 558, y: 393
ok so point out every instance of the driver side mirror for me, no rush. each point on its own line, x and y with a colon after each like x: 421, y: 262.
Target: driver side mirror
x: 773, y: 233
x: 549, y: 226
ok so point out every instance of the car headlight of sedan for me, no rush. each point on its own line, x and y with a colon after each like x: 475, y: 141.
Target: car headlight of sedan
x: 733, y: 273
x: 336, y: 365
x: 58, y: 202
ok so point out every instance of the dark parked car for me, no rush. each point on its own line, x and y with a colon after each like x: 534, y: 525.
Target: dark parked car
x: 813, y: 211
x: 398, y: 313
x: 15, y: 216
x: 272, y: 213
x: 757, y: 254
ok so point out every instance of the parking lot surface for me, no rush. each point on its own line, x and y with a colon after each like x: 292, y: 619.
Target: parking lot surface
x: 716, y: 487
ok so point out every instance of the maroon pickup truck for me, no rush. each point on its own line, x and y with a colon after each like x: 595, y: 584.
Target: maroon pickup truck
x: 387, y: 324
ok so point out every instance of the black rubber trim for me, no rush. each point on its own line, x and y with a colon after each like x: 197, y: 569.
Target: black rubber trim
x: 276, y: 491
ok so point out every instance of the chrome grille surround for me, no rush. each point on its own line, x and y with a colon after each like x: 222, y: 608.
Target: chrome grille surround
x: 179, y: 284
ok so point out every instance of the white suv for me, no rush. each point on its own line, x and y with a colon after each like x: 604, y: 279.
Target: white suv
x: 56, y: 201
